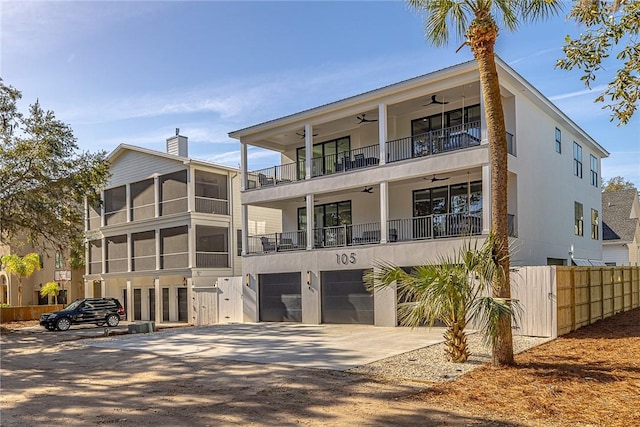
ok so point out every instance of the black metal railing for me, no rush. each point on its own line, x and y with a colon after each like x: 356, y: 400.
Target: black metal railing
x: 437, y: 141
x: 278, y: 242
x: 511, y: 144
x: 511, y: 226
x: 276, y: 175
x: 357, y: 158
x: 435, y: 226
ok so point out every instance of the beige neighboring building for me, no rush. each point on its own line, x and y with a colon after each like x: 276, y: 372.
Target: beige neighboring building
x: 621, y: 227
x: 53, y: 267
x: 168, y: 228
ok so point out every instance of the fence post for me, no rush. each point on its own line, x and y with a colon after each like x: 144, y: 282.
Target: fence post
x: 589, y: 293
x: 601, y: 293
x: 572, y: 286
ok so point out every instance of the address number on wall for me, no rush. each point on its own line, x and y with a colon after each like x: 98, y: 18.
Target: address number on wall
x: 346, y: 259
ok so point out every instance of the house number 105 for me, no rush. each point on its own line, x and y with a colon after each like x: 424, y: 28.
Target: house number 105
x: 346, y: 258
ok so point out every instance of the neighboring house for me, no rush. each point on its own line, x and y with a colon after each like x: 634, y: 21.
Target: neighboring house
x: 168, y: 226
x: 53, y: 268
x: 621, y: 227
x: 402, y: 174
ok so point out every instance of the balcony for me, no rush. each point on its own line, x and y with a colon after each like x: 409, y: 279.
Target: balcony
x: 399, y: 230
x: 441, y: 141
x: 434, y: 142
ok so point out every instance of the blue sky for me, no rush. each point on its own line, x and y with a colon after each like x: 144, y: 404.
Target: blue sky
x: 132, y: 72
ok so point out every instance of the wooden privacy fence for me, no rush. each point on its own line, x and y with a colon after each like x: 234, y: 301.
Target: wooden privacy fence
x: 29, y: 312
x: 588, y: 294
x: 557, y: 300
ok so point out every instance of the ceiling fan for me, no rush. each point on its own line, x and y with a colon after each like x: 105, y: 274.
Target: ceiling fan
x: 435, y: 178
x: 368, y: 190
x: 303, y: 134
x: 434, y: 100
x: 363, y: 119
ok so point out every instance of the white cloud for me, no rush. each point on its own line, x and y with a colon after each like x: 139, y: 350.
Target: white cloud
x: 591, y: 92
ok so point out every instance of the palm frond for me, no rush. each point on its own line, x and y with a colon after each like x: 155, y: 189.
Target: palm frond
x: 490, y: 311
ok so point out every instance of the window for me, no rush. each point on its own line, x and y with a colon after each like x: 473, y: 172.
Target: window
x: 594, y: 170
x: 577, y: 159
x: 595, y: 231
x: 239, y: 242
x: 328, y: 155
x: 327, y: 215
x: 558, y: 141
x: 59, y: 261
x: 579, y: 219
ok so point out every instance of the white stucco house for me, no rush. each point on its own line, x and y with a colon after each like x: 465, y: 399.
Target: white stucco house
x: 621, y: 227
x: 168, y: 227
x: 401, y: 173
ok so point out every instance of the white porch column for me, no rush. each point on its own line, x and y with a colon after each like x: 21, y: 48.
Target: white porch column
x: 129, y: 253
x: 245, y: 229
x: 127, y: 198
x: 310, y: 221
x: 384, y: 212
x: 103, y: 288
x: 191, y: 200
x: 158, y: 248
x: 382, y: 132
x: 156, y: 196
x: 191, y: 313
x: 308, y: 149
x: 191, y: 242
x: 88, y: 289
x: 243, y: 167
x: 486, y: 199
x: 130, y: 305
x: 158, y: 299
x: 103, y: 258
x: 102, y: 205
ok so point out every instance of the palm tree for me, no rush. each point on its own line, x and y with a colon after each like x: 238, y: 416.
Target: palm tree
x: 477, y: 22
x: 22, y: 267
x: 451, y: 289
x: 50, y: 289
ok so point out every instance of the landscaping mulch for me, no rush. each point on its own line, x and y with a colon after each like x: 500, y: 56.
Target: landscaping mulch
x: 590, y: 377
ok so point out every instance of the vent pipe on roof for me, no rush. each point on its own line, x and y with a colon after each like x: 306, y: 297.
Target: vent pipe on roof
x: 178, y: 145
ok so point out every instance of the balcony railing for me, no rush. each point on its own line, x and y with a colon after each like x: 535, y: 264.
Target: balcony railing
x: 511, y: 144
x: 357, y: 158
x: 276, y: 175
x: 399, y: 230
x: 511, y: 226
x: 435, y: 226
x: 278, y: 242
x: 434, y: 142
x: 212, y: 206
x: 212, y: 259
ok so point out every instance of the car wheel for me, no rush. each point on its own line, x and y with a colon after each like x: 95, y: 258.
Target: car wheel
x: 63, y: 324
x: 113, y: 320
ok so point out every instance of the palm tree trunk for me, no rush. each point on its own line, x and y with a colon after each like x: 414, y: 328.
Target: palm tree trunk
x: 482, y: 36
x: 456, y: 344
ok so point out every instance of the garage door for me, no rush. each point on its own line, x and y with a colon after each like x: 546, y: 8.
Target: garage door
x: 345, y: 299
x: 280, y: 298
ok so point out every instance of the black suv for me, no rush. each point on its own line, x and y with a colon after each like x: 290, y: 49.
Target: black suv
x: 87, y: 310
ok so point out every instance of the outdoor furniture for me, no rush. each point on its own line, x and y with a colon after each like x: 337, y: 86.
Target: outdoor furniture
x: 267, y: 244
x: 265, y: 180
x: 368, y: 236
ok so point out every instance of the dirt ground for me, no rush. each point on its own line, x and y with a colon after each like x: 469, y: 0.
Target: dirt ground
x: 589, y: 377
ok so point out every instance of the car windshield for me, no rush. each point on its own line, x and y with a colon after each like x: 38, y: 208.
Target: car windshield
x: 73, y: 305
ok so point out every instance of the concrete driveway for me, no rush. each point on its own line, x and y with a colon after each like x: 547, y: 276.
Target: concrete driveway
x: 334, y: 347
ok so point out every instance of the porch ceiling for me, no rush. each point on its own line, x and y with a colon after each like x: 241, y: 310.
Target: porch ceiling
x: 339, y: 123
